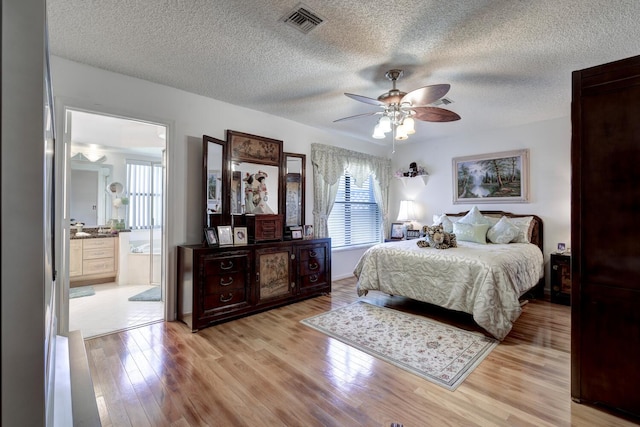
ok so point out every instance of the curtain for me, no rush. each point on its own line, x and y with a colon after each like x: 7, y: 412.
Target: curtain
x: 329, y: 164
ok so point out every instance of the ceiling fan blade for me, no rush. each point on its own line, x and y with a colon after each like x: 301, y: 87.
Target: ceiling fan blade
x: 372, y: 113
x: 366, y: 100
x: 435, y: 114
x: 426, y: 95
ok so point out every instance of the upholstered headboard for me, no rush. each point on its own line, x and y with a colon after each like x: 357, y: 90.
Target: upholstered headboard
x: 535, y: 231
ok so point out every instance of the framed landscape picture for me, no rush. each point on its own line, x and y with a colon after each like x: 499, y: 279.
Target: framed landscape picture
x: 492, y: 178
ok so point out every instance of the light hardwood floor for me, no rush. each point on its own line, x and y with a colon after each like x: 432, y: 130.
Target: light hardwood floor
x: 270, y: 370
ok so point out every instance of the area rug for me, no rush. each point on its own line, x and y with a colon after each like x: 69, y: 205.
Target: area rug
x: 152, y: 294
x: 82, y: 291
x: 442, y: 354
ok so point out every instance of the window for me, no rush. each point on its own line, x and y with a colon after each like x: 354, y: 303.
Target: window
x: 144, y: 187
x: 355, y: 217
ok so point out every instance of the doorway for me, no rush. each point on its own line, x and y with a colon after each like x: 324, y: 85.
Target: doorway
x: 114, y: 199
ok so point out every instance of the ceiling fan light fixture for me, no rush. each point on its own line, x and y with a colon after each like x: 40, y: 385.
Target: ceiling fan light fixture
x: 378, y: 133
x: 385, y: 124
x: 401, y: 133
x: 409, y: 125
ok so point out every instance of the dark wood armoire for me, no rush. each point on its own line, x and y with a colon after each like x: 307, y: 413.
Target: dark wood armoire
x: 605, y: 236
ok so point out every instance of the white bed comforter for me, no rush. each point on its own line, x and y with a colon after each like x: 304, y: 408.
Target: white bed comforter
x: 483, y: 280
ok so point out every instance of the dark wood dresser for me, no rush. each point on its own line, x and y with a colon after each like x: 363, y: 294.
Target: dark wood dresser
x: 222, y: 283
x: 605, y: 236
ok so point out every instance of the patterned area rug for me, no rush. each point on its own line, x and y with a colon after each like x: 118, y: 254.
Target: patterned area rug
x: 82, y: 291
x: 440, y: 353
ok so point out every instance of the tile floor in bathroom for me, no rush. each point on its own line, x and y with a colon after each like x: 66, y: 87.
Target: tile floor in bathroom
x: 109, y: 310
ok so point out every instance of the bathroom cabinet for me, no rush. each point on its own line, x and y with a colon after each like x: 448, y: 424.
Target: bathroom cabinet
x: 93, y: 261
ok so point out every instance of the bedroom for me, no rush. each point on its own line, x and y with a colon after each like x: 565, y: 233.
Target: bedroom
x: 189, y: 116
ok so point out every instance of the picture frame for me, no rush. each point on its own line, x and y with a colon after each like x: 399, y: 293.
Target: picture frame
x: 562, y: 248
x: 491, y: 178
x: 253, y: 148
x: 397, y: 231
x: 308, y: 232
x: 413, y: 234
x: 211, y: 236
x: 225, y: 235
x: 239, y: 236
x: 296, y: 234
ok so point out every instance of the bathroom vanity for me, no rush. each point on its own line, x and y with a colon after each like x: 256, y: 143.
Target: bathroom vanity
x: 93, y: 259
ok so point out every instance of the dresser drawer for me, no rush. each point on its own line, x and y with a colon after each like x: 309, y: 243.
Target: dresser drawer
x: 225, y: 265
x: 224, y: 282
x: 222, y: 299
x: 312, y: 253
x: 97, y: 253
x: 313, y: 279
x: 311, y: 266
x: 98, y: 243
x: 96, y: 266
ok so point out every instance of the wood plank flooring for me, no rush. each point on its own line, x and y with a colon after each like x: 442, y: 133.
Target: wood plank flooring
x: 270, y: 370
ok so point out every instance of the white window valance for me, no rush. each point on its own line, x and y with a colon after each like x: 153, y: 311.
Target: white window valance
x: 329, y: 164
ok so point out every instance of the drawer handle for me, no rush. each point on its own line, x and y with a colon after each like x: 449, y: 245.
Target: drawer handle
x: 313, y: 278
x: 312, y: 254
x: 223, y: 299
x: 223, y: 283
x: 313, y: 266
x: 226, y: 267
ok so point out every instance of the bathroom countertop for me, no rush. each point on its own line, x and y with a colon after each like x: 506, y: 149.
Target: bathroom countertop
x: 93, y: 234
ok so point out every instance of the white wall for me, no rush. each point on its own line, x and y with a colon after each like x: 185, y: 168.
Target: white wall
x: 549, y: 143
x: 21, y: 223
x: 188, y: 116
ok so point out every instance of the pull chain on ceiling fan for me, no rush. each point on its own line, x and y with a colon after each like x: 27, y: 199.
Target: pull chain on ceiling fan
x: 399, y: 109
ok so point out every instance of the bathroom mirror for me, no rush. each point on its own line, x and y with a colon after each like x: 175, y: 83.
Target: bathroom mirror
x: 255, y: 174
x: 89, y: 202
x: 214, y: 181
x: 294, y: 188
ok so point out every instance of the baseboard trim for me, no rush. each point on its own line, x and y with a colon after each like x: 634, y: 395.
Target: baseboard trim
x: 83, y: 397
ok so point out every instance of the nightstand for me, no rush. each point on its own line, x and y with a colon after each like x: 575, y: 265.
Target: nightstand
x: 561, y: 278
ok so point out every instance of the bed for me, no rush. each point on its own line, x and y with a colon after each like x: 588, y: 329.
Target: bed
x: 484, y: 280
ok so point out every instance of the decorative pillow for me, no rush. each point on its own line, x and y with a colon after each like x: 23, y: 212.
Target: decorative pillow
x: 474, y: 216
x: 445, y: 221
x: 503, y: 232
x: 492, y: 220
x: 525, y: 224
x: 471, y: 232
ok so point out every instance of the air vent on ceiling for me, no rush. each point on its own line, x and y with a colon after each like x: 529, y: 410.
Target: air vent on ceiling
x: 442, y: 101
x: 303, y: 18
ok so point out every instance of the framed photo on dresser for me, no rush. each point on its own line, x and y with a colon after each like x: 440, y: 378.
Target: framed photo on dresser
x: 225, y: 235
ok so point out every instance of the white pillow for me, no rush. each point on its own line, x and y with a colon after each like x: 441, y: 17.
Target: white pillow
x: 503, y: 232
x: 471, y: 232
x: 524, y: 224
x: 474, y: 216
x: 492, y: 220
x: 447, y: 224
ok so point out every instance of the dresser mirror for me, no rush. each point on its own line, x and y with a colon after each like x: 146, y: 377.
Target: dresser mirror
x: 214, y: 179
x: 254, y: 188
x: 255, y: 174
x: 294, y: 185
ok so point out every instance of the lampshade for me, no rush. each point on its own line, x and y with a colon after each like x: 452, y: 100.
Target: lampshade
x: 409, y: 125
x: 406, y: 212
x: 385, y: 124
x: 377, y: 132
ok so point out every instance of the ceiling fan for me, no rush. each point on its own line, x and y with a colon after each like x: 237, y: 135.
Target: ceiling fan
x: 399, y: 109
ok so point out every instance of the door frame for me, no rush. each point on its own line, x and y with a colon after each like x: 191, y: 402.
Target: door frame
x: 62, y: 156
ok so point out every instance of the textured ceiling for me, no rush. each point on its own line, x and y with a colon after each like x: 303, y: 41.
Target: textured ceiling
x: 508, y: 62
